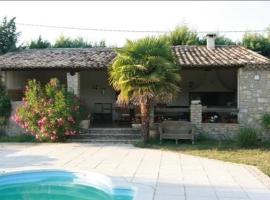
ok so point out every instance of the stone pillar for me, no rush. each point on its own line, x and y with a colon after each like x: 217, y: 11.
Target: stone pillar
x: 196, y: 114
x: 73, y: 82
x: 253, y: 94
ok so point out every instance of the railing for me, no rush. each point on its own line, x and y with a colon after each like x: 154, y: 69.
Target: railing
x: 219, y: 115
x: 172, y: 113
x: 209, y: 114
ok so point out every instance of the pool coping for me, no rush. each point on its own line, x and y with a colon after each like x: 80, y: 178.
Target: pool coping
x: 142, y: 192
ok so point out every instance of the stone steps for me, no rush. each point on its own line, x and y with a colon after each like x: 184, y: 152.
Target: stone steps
x: 110, y: 131
x: 118, y: 141
x: 107, y: 135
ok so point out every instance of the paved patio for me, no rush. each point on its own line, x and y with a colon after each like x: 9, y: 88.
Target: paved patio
x: 167, y: 175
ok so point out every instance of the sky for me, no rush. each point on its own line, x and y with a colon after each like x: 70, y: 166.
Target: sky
x: 133, y: 15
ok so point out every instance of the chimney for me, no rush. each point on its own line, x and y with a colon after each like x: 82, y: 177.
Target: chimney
x: 211, y: 40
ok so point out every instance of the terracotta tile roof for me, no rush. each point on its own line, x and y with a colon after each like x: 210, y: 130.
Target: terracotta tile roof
x: 201, y: 56
x: 62, y: 58
x: 101, y: 58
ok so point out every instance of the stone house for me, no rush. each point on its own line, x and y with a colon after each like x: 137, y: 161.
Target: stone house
x: 231, y: 82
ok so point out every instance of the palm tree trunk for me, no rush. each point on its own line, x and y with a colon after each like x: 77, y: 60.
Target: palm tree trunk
x: 145, y: 118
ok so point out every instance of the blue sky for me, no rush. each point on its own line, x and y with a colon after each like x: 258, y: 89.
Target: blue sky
x: 201, y: 16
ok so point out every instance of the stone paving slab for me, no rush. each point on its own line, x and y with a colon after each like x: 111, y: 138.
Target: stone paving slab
x: 163, y: 175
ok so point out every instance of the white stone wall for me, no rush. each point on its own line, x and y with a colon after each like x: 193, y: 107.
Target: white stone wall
x: 18, y: 79
x: 96, y: 89
x: 74, y: 83
x: 205, y: 81
x: 253, y: 95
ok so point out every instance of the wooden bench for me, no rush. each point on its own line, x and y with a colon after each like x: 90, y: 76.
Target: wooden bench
x: 176, y: 130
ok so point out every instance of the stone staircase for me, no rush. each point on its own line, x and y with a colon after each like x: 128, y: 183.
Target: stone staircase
x: 107, y: 135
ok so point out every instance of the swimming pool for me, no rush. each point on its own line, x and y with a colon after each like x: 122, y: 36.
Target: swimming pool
x: 62, y: 185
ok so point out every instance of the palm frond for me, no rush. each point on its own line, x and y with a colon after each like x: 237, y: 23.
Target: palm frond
x: 145, y: 70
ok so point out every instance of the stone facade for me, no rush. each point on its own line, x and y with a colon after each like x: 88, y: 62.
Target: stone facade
x: 253, y: 94
x: 196, y: 114
x: 220, y: 131
x: 73, y: 83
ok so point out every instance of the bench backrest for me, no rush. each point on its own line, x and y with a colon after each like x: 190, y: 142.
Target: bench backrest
x: 176, y: 127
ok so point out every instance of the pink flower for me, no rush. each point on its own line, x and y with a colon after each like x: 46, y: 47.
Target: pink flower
x: 16, y: 118
x: 70, y: 133
x: 42, y: 121
x: 42, y: 129
x: 71, y: 119
x: 60, y: 122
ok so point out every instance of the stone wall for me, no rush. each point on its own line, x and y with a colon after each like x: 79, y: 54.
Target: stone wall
x: 220, y: 131
x: 253, y: 94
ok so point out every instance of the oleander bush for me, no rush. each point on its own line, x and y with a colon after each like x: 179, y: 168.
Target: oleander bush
x: 50, y: 113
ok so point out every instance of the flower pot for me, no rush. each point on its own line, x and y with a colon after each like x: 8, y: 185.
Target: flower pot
x: 136, y: 126
x: 85, y: 124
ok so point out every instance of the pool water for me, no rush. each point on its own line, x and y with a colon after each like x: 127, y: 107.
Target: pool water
x: 61, y: 185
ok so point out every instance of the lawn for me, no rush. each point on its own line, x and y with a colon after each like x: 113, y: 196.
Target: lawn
x: 226, y: 151
x: 19, y: 138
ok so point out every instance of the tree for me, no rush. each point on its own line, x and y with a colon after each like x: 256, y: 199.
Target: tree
x: 101, y: 43
x: 8, y: 35
x: 5, y: 105
x: 144, y: 73
x: 39, y: 44
x: 219, y: 40
x: 79, y: 42
x: 182, y: 35
x: 63, y: 42
x: 66, y: 42
x: 257, y: 42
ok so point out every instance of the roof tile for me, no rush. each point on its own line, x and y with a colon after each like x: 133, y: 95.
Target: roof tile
x: 231, y: 55
x: 101, y: 58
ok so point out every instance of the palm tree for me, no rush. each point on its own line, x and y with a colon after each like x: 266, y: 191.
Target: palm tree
x: 144, y: 73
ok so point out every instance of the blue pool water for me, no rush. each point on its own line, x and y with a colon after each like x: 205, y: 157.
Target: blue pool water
x: 61, y: 185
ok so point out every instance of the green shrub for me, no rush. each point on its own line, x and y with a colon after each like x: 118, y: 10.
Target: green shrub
x: 247, y: 137
x: 5, y: 106
x: 49, y: 113
x: 265, y: 121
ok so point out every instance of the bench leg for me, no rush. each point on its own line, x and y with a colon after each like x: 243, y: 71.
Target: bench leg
x: 160, y: 142
x: 176, y: 141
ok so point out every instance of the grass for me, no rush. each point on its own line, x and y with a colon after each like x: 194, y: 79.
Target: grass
x: 18, y: 138
x: 221, y: 150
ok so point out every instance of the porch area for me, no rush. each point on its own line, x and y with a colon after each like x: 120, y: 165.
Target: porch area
x: 216, y: 89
